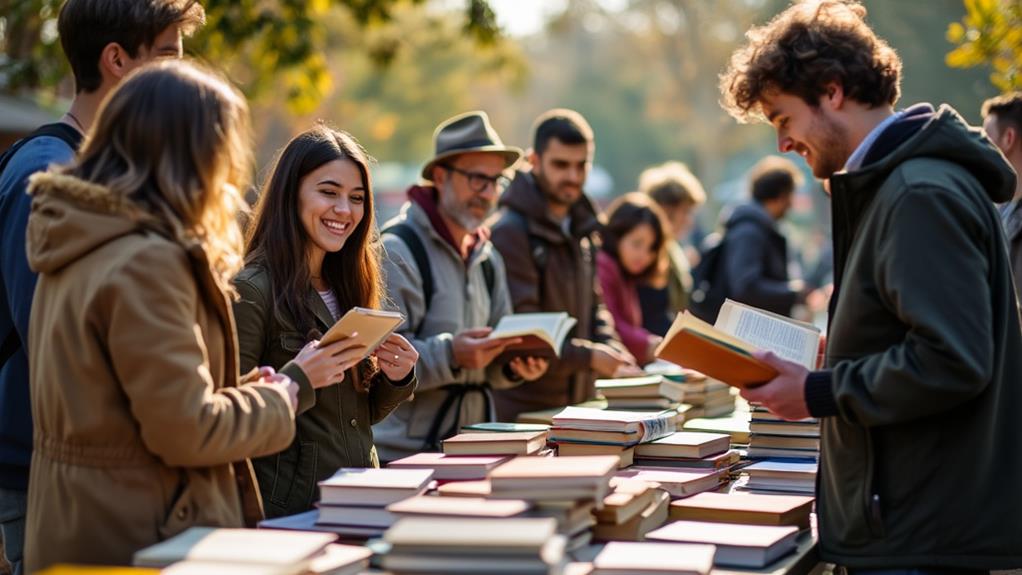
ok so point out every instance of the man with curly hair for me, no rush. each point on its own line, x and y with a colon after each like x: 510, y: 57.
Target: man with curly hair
x: 919, y: 452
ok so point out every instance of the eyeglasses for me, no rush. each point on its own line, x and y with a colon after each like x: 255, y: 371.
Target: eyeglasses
x: 479, y: 182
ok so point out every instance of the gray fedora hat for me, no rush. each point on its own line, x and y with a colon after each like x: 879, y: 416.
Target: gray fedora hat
x: 466, y: 133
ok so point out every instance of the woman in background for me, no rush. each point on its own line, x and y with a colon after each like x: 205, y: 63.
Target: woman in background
x: 634, y: 241
x: 312, y: 253
x: 141, y: 427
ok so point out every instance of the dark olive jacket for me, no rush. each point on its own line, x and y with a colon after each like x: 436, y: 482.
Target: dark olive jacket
x: 921, y: 446
x: 334, y: 423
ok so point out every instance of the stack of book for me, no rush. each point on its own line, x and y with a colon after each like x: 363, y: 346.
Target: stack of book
x: 707, y: 396
x: 458, y: 545
x: 746, y: 546
x: 632, y: 510
x: 210, y: 550
x: 688, y: 449
x: 773, y: 437
x: 624, y: 558
x: 564, y: 489
x: 677, y: 482
x: 451, y: 467
x: 650, y: 392
x: 353, y: 501
x: 782, y: 476
x: 431, y: 506
x: 745, y: 508
x: 588, y: 431
x: 510, y: 443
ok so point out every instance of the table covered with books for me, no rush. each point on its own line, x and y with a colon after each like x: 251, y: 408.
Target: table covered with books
x: 667, y: 473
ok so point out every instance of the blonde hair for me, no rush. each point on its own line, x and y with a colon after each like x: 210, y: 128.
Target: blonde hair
x: 671, y: 185
x: 172, y: 144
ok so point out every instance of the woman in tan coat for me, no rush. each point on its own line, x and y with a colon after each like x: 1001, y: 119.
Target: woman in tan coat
x: 141, y: 427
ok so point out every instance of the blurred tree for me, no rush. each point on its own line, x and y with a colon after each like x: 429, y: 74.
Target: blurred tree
x: 267, y: 45
x: 990, y: 34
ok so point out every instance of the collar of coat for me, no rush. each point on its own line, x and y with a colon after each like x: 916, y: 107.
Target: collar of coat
x: 525, y: 197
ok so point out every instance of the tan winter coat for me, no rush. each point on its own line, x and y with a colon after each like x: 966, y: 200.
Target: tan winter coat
x: 140, y: 427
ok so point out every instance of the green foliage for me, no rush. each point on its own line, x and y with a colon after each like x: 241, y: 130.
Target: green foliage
x: 267, y: 46
x: 990, y: 34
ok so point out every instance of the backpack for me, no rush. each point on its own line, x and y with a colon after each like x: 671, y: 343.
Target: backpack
x: 709, y: 287
x: 71, y: 137
x: 411, y: 239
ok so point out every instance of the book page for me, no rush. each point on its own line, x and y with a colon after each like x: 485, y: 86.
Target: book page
x: 529, y: 323
x: 792, y: 340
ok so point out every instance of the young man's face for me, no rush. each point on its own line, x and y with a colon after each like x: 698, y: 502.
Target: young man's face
x: 561, y: 171
x: 812, y: 132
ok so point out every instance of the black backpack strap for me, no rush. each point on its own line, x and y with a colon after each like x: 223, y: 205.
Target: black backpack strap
x: 490, y: 275
x: 70, y: 136
x: 59, y: 130
x: 411, y: 239
x: 537, y: 245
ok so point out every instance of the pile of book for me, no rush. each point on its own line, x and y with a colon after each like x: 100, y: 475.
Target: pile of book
x: 589, y: 431
x: 688, y: 449
x: 631, y: 510
x: 745, y: 508
x: 204, y: 550
x: 738, y: 545
x: 782, y: 476
x: 677, y: 482
x: 649, y: 392
x: 459, y: 545
x: 565, y: 489
x: 625, y: 558
x: 472, y: 456
x: 773, y: 437
x: 353, y: 502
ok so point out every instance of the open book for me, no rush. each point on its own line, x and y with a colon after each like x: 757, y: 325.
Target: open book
x: 372, y: 326
x: 542, y: 334
x: 724, y: 350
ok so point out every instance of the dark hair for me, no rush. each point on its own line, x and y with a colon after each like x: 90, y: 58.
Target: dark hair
x: 773, y: 177
x: 277, y: 239
x: 86, y: 27
x: 672, y: 185
x: 805, y: 48
x: 1006, y: 108
x: 627, y: 213
x: 566, y: 126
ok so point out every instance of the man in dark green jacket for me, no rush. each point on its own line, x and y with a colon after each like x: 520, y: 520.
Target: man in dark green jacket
x: 920, y: 461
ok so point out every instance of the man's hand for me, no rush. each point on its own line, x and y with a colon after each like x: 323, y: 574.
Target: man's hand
x: 609, y: 362
x: 474, y: 350
x: 784, y: 395
x: 529, y: 368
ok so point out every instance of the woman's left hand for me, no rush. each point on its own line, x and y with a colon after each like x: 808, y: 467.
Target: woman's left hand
x: 396, y: 357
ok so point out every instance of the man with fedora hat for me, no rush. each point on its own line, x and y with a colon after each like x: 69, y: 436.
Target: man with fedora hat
x: 444, y: 275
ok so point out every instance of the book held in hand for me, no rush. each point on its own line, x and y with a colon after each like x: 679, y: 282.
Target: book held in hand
x: 724, y: 351
x: 541, y: 334
x: 372, y: 326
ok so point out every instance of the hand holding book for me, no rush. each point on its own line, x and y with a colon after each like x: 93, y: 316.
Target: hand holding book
x: 785, y: 394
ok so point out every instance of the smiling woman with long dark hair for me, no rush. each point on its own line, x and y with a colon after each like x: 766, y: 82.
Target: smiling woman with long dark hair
x: 312, y: 253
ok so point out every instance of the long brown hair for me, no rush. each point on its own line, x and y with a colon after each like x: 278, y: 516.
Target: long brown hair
x: 172, y: 144
x: 627, y: 213
x: 277, y: 240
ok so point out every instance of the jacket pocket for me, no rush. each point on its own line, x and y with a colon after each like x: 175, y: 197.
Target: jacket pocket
x: 873, y: 502
x: 181, y: 513
x: 294, y: 480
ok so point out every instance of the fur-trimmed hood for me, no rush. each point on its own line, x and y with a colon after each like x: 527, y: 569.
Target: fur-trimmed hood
x: 72, y: 217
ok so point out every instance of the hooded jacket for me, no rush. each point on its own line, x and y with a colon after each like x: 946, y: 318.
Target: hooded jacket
x: 755, y: 261
x: 141, y: 429
x: 562, y: 278
x: 920, y: 438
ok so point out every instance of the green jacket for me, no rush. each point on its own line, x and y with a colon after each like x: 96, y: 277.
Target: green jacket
x: 920, y: 457
x: 334, y: 423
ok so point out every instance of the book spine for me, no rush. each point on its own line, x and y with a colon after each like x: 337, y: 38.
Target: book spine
x: 656, y: 427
